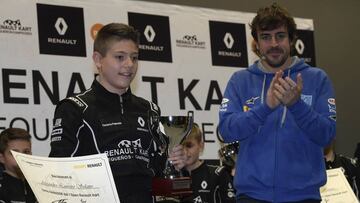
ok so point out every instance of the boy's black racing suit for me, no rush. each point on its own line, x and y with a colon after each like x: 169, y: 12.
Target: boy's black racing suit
x: 15, y: 190
x: 210, y: 184
x: 98, y: 121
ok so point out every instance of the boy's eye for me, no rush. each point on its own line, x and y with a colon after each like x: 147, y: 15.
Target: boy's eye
x: 120, y: 57
x: 135, y: 58
x: 27, y: 152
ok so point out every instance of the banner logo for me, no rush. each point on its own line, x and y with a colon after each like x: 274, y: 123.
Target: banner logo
x: 95, y: 29
x: 14, y: 27
x: 61, y: 26
x: 155, y: 43
x: 228, y: 44
x: 304, y: 46
x: 190, y: 41
x: 149, y: 33
x: 228, y: 40
x: 61, y: 30
x: 299, y: 46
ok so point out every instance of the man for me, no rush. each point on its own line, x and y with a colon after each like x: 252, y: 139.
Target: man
x: 108, y: 118
x: 283, y: 113
x: 13, y: 186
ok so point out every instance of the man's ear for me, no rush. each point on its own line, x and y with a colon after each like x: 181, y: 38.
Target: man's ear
x: 97, y: 59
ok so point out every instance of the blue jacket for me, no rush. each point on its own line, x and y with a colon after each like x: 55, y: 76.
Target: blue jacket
x: 281, y: 150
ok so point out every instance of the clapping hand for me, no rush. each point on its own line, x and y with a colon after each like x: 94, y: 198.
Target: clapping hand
x: 284, y: 90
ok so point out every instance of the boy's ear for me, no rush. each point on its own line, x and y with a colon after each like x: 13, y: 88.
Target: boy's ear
x: 97, y: 59
x: 202, y: 144
x: 2, y: 159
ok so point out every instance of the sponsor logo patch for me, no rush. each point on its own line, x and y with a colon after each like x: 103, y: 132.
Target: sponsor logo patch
x: 57, y: 122
x: 129, y: 143
x: 252, y: 100
x: 307, y: 99
x: 224, y: 104
x: 333, y: 117
x: 111, y: 124
x: 331, y: 101
x: 204, y: 184
x: 77, y: 101
x: 246, y: 108
x: 57, y: 131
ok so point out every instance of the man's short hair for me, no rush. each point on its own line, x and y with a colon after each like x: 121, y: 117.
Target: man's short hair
x: 114, y: 32
x: 12, y: 134
x: 272, y: 17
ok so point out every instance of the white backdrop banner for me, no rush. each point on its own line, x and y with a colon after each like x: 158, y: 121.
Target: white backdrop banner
x: 187, y: 55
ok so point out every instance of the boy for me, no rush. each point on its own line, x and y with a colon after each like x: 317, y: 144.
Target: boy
x: 13, y: 186
x: 209, y: 183
x: 109, y: 118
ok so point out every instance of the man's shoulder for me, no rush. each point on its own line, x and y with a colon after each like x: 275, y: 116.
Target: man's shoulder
x: 315, y: 71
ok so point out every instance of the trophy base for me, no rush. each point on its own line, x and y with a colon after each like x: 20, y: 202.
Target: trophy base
x: 176, y: 187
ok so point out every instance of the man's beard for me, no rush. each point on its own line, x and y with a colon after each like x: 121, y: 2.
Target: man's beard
x: 272, y: 63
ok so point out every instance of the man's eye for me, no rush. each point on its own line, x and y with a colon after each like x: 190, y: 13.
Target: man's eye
x: 281, y: 36
x: 265, y: 37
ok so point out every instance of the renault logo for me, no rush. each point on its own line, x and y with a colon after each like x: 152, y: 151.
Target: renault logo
x: 61, y: 26
x: 141, y: 121
x: 299, y: 46
x: 149, y: 33
x: 228, y: 40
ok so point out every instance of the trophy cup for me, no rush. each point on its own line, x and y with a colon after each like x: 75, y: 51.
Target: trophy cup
x: 174, y: 129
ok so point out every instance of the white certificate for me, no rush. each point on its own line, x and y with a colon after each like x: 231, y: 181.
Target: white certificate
x: 83, y: 179
x: 337, y: 188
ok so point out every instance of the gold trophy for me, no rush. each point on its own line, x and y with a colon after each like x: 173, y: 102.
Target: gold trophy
x: 174, y: 129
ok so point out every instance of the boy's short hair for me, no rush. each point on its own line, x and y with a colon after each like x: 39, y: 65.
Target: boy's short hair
x: 195, y: 134
x: 12, y: 134
x: 114, y: 32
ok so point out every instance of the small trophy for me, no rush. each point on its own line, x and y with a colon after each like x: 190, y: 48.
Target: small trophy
x: 174, y: 129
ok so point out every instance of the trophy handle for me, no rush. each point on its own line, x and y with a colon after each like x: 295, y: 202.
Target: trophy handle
x: 155, y: 131
x: 190, y: 117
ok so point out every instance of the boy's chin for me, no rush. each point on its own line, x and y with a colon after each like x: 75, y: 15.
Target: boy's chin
x: 19, y: 173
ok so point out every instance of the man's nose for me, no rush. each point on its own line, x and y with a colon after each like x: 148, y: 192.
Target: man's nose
x: 274, y: 42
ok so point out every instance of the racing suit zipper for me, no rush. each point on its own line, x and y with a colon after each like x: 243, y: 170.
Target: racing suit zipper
x: 121, y: 104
